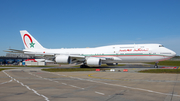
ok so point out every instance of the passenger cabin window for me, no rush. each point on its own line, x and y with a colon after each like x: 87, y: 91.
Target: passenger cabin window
x: 161, y: 46
x: 126, y: 47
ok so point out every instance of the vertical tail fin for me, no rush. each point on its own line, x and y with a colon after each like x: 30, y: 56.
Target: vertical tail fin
x: 29, y: 41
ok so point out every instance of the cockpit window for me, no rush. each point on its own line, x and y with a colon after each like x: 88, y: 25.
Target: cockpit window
x: 161, y: 46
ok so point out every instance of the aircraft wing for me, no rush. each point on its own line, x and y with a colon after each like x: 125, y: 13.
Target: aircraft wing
x: 81, y: 59
x: 78, y: 59
x: 14, y: 51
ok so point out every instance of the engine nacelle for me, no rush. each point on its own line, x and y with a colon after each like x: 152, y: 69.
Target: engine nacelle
x: 93, y: 62
x: 63, y: 59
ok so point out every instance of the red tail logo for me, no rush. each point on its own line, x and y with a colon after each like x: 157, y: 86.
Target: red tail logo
x: 31, y: 44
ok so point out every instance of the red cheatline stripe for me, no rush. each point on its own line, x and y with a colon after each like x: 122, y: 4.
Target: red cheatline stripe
x: 125, y: 55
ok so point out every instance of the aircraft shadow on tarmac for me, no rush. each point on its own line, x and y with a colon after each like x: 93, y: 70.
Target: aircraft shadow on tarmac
x: 126, y: 66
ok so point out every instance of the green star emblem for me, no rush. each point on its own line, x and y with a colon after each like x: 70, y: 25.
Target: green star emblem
x: 32, y: 44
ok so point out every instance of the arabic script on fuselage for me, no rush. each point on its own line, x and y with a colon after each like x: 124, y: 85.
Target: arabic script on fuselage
x: 136, y: 50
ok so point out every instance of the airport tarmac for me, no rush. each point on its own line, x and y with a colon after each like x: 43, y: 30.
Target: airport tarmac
x: 32, y: 84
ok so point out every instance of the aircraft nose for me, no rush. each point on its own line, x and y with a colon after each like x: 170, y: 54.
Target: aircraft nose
x: 173, y: 53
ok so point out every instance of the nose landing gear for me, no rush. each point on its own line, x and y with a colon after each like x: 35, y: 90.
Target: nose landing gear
x: 156, y: 65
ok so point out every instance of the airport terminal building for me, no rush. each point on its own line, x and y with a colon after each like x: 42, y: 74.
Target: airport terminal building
x: 22, y: 59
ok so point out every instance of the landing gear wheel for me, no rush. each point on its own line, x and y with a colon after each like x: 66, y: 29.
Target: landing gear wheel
x: 83, y: 66
x: 156, y: 65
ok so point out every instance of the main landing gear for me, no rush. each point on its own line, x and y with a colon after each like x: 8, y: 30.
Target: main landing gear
x: 156, y: 65
x: 83, y: 66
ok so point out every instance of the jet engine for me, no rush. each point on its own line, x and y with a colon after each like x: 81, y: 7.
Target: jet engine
x: 93, y: 62
x: 63, y: 59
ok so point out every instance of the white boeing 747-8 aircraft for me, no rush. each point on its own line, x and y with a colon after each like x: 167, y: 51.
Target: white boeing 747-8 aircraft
x: 100, y: 55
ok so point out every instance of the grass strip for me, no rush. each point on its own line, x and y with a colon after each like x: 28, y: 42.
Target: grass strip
x: 105, y: 65
x: 70, y: 69
x: 1, y: 69
x: 177, y: 71
x: 167, y: 63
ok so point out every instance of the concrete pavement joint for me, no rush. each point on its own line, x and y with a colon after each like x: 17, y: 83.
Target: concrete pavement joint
x: 173, y: 87
x: 140, y: 89
x: 135, y: 88
x: 90, y: 75
x: 27, y: 87
x: 57, y: 81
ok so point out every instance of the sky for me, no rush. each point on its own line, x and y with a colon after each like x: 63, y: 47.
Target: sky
x: 90, y: 23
